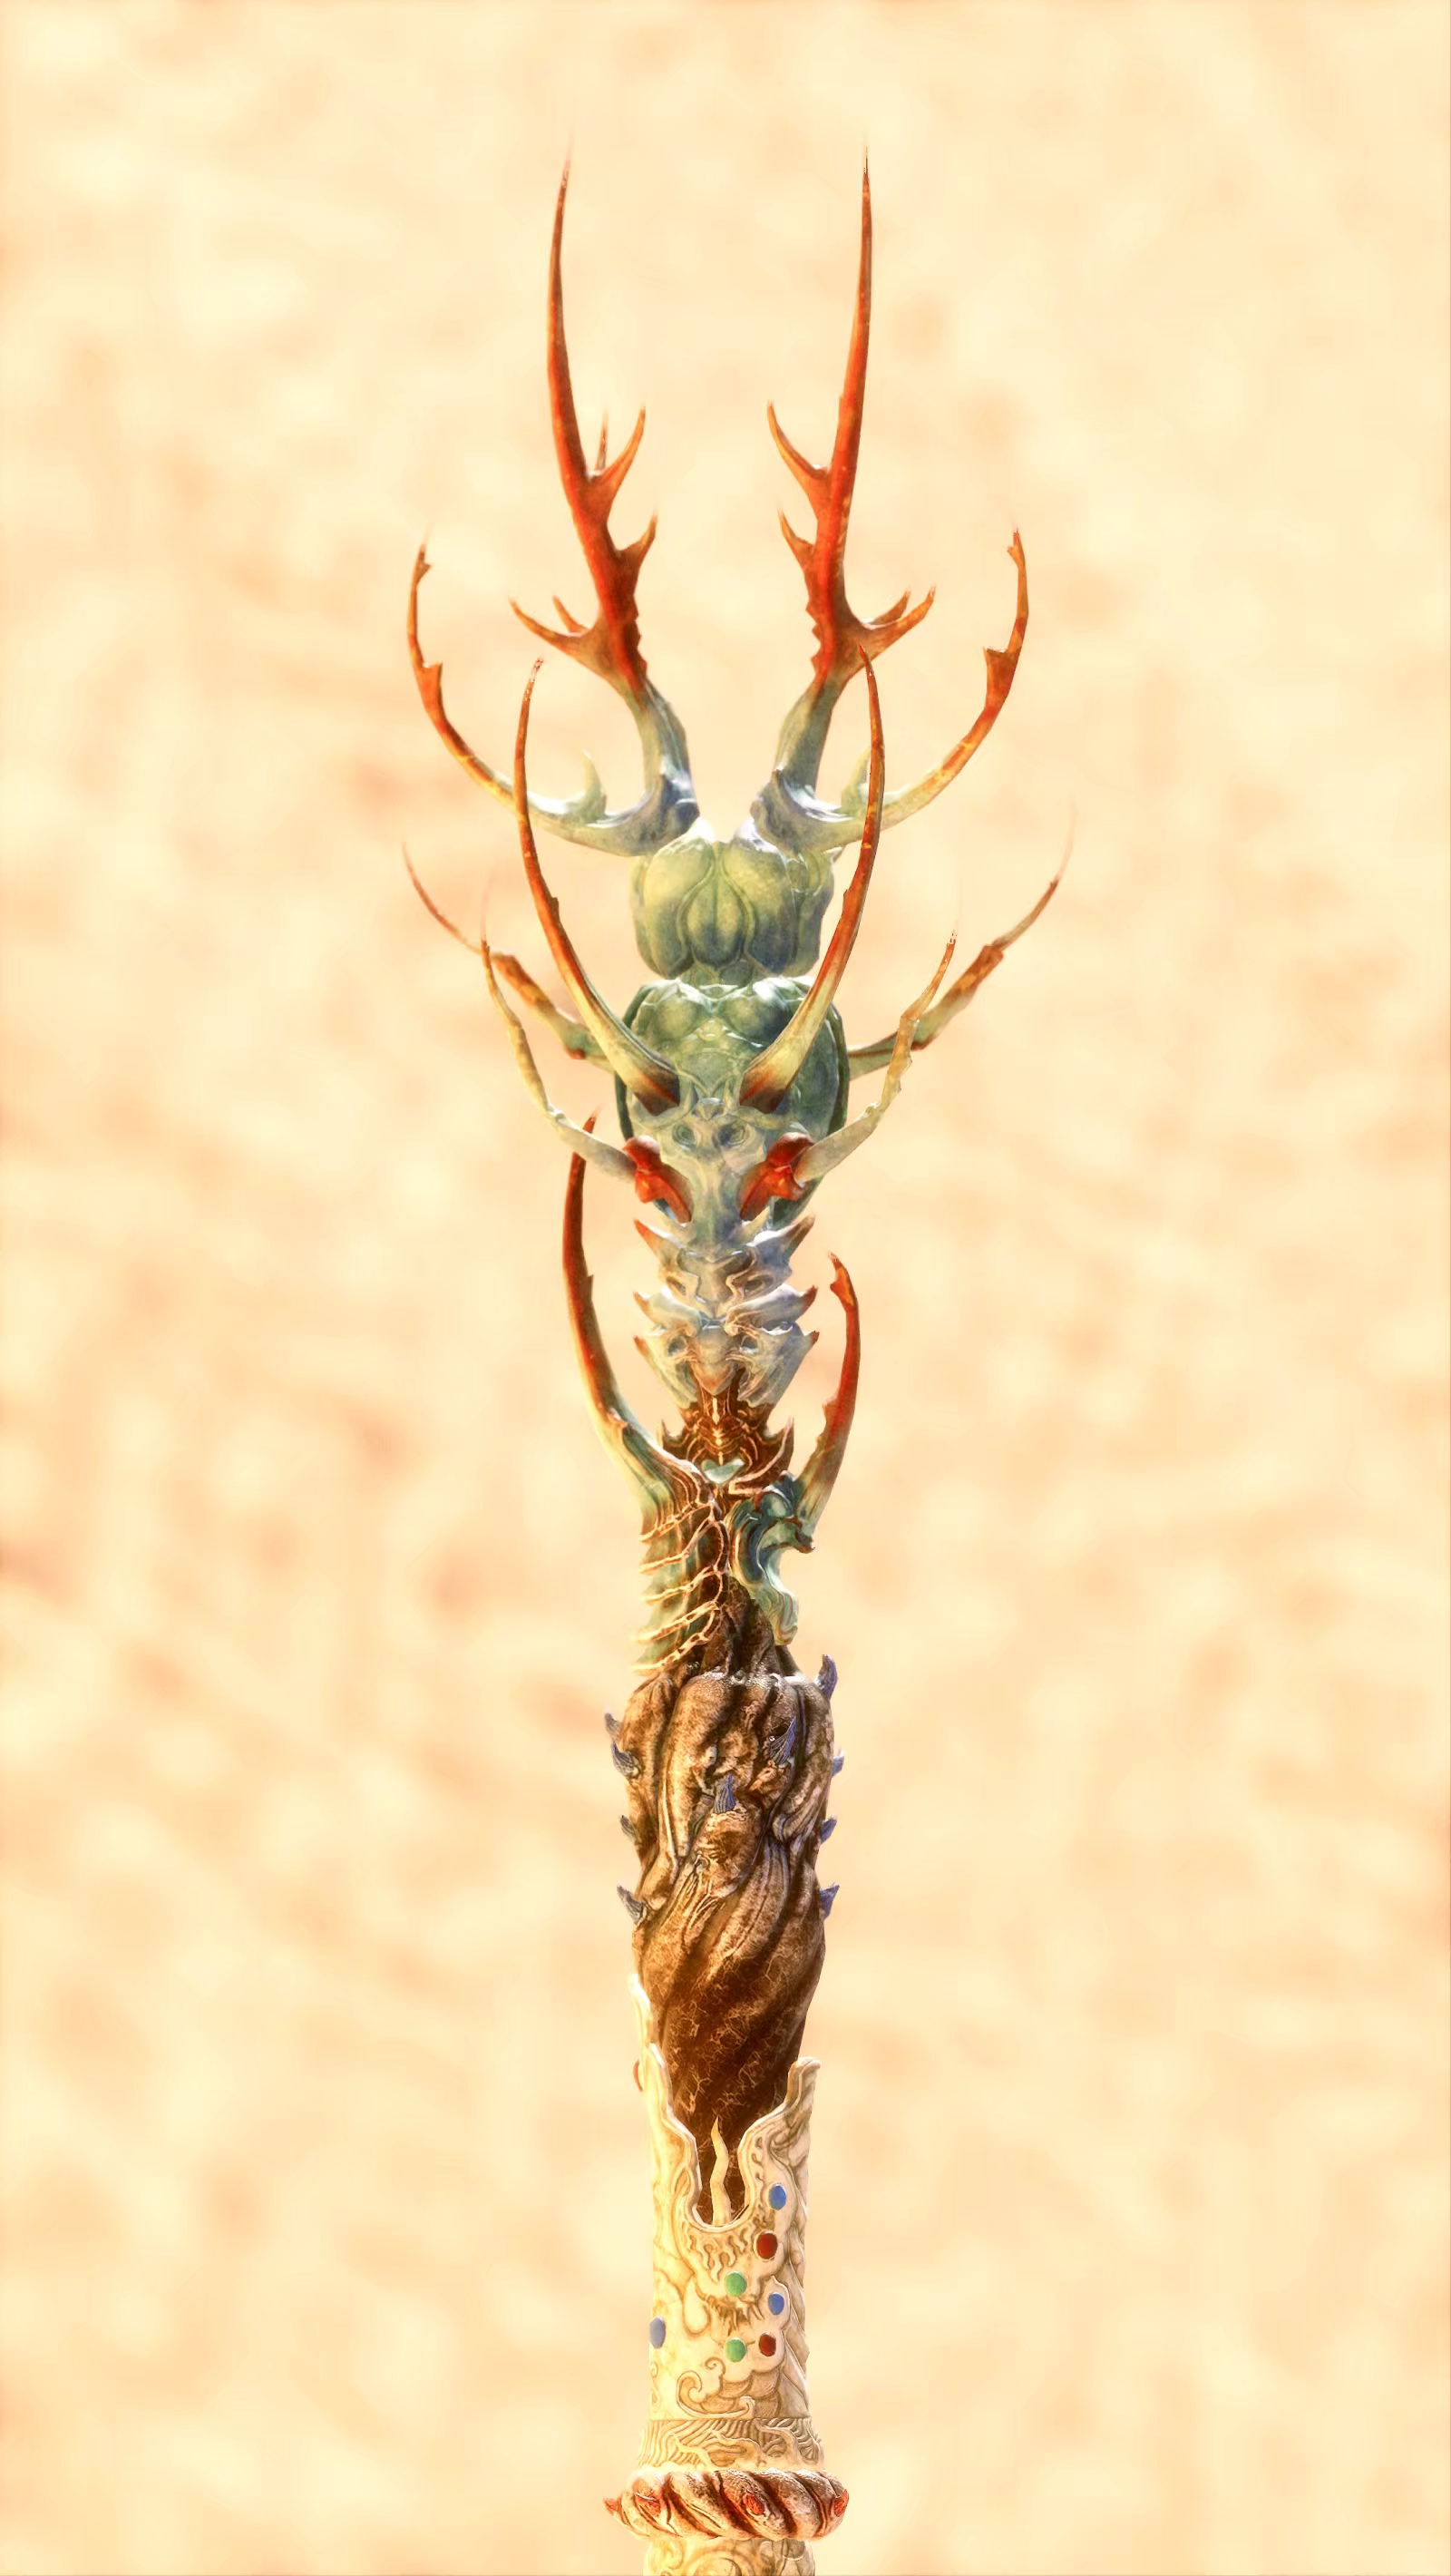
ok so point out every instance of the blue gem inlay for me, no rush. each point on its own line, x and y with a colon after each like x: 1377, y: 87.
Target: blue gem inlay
x: 776, y: 2303
x: 777, y: 2195
x: 657, y: 2331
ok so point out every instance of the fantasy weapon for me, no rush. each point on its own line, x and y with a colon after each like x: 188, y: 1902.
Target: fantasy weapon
x: 732, y: 1078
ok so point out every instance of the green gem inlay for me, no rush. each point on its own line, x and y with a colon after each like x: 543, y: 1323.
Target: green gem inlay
x: 735, y: 2349
x: 736, y: 2284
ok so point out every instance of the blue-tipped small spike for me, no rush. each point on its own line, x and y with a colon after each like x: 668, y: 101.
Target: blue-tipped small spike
x: 837, y: 1764
x: 627, y: 1829
x: 783, y: 1747
x: 629, y: 1763
x: 634, y: 1907
x: 827, y: 1830
x: 725, y: 1796
x: 828, y: 1897
x: 826, y: 1678
x: 611, y: 1723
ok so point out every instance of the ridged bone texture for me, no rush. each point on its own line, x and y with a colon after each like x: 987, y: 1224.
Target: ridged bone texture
x: 726, y: 1325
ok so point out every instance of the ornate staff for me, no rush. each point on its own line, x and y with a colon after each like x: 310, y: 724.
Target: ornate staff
x: 732, y: 1078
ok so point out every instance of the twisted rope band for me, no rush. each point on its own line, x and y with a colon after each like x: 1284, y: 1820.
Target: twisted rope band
x: 797, y: 2504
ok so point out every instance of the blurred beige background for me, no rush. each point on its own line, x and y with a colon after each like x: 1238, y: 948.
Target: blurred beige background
x: 325, y: 2221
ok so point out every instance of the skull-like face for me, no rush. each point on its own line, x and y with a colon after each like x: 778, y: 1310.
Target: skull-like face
x: 724, y: 1315
x: 725, y: 1318
x: 715, y: 1146
x: 711, y: 1034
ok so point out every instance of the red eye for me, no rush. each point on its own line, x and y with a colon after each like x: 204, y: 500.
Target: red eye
x: 653, y: 1182
x: 776, y: 1177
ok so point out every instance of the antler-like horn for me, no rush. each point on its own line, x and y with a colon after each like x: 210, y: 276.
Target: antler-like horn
x: 610, y: 647
x: 773, y: 1071
x: 650, y: 1076
x: 788, y: 811
x: 842, y: 638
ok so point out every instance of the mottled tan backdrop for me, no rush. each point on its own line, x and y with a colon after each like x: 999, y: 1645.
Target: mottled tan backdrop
x: 325, y: 2221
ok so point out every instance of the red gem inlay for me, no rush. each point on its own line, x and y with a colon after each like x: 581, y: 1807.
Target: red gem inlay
x: 766, y: 2246
x: 768, y: 2343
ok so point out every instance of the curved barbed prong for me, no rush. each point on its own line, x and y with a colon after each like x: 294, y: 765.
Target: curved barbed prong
x: 821, y: 1158
x: 820, y: 1472
x: 1000, y: 669
x: 773, y: 1071
x: 870, y: 1059
x: 575, y: 818
x: 660, y: 1480
x: 429, y: 677
x: 651, y: 1077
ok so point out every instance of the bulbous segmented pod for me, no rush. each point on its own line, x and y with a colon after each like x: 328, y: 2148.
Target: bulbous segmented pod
x: 732, y: 1075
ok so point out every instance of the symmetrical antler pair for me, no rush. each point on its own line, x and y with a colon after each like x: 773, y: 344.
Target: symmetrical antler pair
x: 732, y: 1087
x: 787, y: 818
x: 792, y: 818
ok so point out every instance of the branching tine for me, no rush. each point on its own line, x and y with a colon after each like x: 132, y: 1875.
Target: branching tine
x: 788, y: 810
x: 842, y: 638
x: 429, y: 676
x: 610, y: 647
x: 1000, y: 668
x: 870, y: 1059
